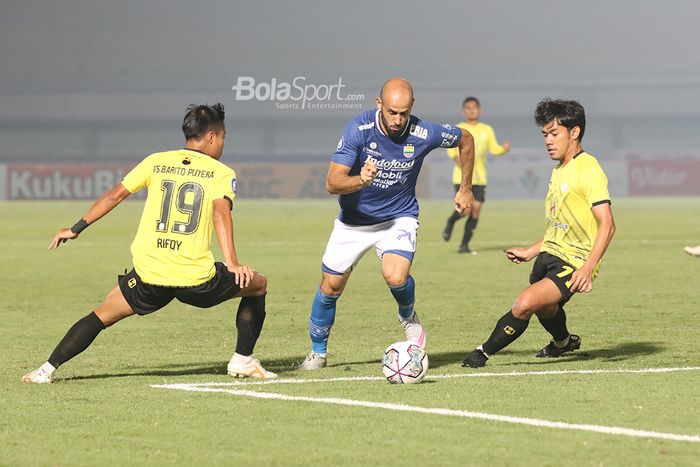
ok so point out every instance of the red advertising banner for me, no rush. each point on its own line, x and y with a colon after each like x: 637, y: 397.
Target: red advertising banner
x: 663, y: 177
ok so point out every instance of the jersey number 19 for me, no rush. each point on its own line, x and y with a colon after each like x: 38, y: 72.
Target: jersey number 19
x: 192, y: 207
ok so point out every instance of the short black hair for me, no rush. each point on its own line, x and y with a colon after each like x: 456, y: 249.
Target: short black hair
x: 201, y: 119
x: 471, y: 99
x: 567, y: 113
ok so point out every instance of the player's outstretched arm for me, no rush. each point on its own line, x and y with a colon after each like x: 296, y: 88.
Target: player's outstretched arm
x: 340, y: 182
x: 523, y: 255
x: 464, y: 197
x: 102, y: 206
x: 223, y: 226
x: 495, y: 148
x: 582, y: 278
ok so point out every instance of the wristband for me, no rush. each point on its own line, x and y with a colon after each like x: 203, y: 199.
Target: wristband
x: 79, y: 226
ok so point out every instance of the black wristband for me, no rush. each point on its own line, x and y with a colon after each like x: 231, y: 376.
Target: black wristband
x: 79, y: 226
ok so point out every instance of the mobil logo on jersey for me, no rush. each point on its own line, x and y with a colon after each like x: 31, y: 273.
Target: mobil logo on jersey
x: 390, y: 172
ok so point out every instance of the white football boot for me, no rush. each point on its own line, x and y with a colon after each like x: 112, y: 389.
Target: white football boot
x: 413, y: 329
x: 248, y: 367
x: 313, y: 361
x: 42, y: 375
x: 692, y: 250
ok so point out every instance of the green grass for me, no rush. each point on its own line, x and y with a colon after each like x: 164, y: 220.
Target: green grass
x: 101, y: 411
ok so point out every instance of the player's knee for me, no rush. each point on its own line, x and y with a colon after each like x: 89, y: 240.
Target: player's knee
x: 475, y: 211
x: 525, y: 306
x: 395, y: 278
x: 332, y: 288
x: 261, y: 284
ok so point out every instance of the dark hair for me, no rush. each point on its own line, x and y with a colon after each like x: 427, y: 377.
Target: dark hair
x: 201, y: 119
x: 566, y: 113
x: 470, y: 99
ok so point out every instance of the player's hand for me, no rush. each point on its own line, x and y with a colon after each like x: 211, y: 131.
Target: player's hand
x: 507, y: 146
x: 518, y: 255
x: 242, y: 274
x: 368, y: 173
x: 582, y: 280
x: 62, y: 236
x: 463, y: 201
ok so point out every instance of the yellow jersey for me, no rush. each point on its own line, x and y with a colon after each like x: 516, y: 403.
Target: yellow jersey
x: 570, y: 227
x: 172, y: 246
x: 484, y: 140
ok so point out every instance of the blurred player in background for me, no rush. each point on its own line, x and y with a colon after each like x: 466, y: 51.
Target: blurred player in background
x: 579, y: 226
x: 374, y: 170
x: 190, y: 193
x: 484, y: 140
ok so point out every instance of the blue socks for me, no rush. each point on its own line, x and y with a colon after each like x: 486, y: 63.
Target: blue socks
x: 321, y: 321
x: 405, y: 296
x: 323, y: 313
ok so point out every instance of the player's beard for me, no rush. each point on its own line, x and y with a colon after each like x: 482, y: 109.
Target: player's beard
x: 393, y: 134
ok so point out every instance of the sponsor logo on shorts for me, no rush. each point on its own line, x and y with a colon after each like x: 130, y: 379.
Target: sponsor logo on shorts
x: 509, y: 330
x: 406, y: 234
x: 131, y: 283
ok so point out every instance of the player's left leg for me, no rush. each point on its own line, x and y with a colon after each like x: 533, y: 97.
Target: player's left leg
x: 454, y: 217
x: 396, y: 250
x: 469, y: 228
x: 479, y: 192
x: 249, y: 323
x: 396, y: 271
x: 553, y: 320
x: 113, y: 309
x: 539, y: 297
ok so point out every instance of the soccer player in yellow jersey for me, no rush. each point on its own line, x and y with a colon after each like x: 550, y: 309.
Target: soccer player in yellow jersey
x: 190, y: 195
x: 579, y: 225
x: 484, y: 141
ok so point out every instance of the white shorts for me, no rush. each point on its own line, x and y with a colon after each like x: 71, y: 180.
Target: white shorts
x: 348, y: 243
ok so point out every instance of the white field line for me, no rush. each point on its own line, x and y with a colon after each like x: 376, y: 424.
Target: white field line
x: 448, y: 376
x: 609, y: 430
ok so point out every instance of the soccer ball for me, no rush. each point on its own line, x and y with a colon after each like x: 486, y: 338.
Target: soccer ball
x: 404, y: 363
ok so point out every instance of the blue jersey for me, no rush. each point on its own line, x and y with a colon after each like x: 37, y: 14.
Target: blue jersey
x: 393, y: 192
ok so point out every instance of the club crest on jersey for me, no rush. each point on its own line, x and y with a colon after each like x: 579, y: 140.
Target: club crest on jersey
x: 408, y: 151
x: 564, y: 187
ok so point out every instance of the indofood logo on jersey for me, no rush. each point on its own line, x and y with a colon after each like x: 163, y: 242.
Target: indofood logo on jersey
x: 297, y: 94
x: 390, y: 172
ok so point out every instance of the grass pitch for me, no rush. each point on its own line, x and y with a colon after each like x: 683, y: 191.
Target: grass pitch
x: 103, y: 409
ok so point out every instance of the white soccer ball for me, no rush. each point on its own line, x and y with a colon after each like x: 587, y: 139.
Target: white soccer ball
x: 405, y: 363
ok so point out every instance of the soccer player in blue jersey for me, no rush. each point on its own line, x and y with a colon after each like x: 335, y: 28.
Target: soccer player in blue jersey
x: 374, y: 170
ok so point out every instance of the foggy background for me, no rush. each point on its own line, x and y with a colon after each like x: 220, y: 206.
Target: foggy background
x: 90, y: 81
